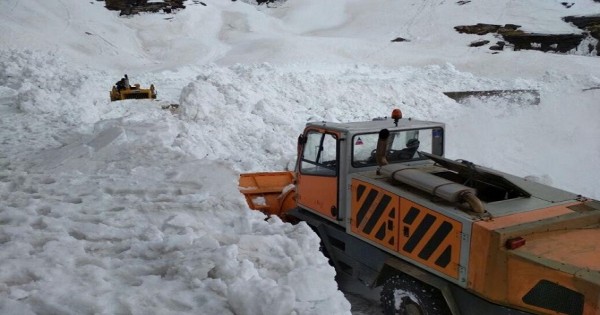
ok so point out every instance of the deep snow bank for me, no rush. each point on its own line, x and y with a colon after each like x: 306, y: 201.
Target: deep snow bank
x: 255, y: 113
x: 104, y: 212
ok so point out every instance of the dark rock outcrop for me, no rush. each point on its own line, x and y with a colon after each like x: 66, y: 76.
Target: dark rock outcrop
x: 498, y: 47
x: 129, y: 7
x: 590, y: 24
x: 479, y: 43
x: 399, y: 39
x: 482, y: 28
x: 545, y: 42
x: 522, y: 40
x: 478, y: 29
x: 567, y: 5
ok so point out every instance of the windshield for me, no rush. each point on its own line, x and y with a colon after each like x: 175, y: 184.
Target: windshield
x: 403, y: 146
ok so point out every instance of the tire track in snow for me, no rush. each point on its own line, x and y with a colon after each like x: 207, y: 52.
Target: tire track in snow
x: 408, y: 26
x: 8, y: 16
x: 68, y: 12
x: 16, y: 2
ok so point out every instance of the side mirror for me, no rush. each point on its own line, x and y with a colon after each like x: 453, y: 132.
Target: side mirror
x: 301, y: 139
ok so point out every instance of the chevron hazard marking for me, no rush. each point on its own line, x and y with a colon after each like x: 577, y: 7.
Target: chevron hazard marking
x: 432, y: 238
x: 374, y: 214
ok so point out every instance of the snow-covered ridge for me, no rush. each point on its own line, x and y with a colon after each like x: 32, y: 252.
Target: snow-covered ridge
x: 114, y: 217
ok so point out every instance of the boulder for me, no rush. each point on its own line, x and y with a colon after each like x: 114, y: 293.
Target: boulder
x: 479, y: 43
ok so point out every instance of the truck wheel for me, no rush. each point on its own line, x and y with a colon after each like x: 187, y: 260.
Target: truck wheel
x: 403, y: 295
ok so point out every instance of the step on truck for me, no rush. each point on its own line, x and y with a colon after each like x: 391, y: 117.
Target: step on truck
x: 440, y: 236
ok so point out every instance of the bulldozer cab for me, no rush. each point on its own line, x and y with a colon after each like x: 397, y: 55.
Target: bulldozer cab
x: 318, y: 171
x: 329, y: 153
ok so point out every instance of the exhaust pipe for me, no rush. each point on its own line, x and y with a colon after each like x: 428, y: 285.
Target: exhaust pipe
x: 474, y: 202
x: 434, y: 185
x: 381, y: 150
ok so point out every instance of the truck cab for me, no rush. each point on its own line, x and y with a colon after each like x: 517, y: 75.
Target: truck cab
x: 332, y: 152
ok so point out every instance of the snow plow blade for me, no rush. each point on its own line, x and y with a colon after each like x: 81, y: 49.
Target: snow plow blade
x: 521, y: 97
x: 269, y: 192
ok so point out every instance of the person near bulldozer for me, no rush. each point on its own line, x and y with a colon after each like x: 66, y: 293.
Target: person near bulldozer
x: 123, y: 83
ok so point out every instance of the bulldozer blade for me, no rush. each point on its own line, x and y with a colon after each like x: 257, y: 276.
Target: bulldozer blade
x: 269, y: 192
x: 520, y: 97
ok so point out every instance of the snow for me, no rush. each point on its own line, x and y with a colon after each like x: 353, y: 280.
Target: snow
x: 125, y: 208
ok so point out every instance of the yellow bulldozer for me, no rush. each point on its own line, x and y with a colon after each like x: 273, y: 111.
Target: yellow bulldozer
x: 123, y: 91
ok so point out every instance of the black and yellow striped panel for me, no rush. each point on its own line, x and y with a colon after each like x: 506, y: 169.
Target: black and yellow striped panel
x: 375, y: 214
x: 429, y: 238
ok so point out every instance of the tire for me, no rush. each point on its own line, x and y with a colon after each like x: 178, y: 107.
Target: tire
x: 412, y: 297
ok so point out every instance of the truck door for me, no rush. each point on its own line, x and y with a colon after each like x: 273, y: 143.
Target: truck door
x: 317, y: 185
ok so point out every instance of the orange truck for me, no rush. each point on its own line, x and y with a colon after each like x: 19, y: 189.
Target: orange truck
x: 440, y: 236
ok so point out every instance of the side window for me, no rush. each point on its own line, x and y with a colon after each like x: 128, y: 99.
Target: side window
x: 319, y: 156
